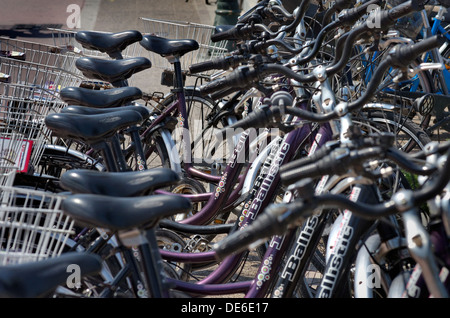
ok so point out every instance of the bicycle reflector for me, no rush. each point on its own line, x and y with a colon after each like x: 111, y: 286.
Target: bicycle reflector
x: 425, y: 104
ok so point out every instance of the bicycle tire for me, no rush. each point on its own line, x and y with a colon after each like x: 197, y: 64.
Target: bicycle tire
x: 58, y: 159
x: 409, y: 136
x: 404, y: 92
x: 156, y: 153
x: 204, y: 145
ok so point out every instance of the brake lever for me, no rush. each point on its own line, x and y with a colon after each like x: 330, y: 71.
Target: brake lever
x: 425, y: 67
x: 411, y: 72
x: 393, y: 37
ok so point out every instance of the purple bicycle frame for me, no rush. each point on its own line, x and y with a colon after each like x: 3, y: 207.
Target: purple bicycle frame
x: 226, y: 182
x: 225, y: 191
x: 213, y: 284
x: 180, y: 105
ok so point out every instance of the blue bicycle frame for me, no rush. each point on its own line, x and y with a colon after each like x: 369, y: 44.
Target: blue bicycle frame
x: 437, y: 29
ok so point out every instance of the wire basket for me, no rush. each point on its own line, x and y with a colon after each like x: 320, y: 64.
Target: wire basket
x: 185, y: 30
x: 42, y: 54
x: 28, y: 93
x: 32, y: 225
x: 12, y: 155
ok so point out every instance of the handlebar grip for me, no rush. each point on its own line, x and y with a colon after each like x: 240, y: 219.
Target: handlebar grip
x: 214, y: 86
x: 342, y: 4
x: 265, y: 226
x: 406, y: 53
x: 225, y: 35
x: 312, y: 170
x: 427, y: 44
x: 239, y: 78
x: 336, y: 162
x: 256, y: 119
x: 311, y: 159
x: 202, y: 67
x: 444, y: 3
x: 223, y: 63
x: 403, y: 9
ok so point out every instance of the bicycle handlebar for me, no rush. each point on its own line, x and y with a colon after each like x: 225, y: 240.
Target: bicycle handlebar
x: 223, y: 63
x: 260, y: 118
x: 339, y: 160
x: 379, y: 20
x: 244, y: 31
x: 244, y: 76
x: 277, y: 218
x: 346, y: 18
x: 266, y: 225
x: 401, y: 56
x: 263, y: 117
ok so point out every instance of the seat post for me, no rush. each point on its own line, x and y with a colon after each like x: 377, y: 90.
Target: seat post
x: 107, y: 154
x: 178, y: 89
x: 178, y: 74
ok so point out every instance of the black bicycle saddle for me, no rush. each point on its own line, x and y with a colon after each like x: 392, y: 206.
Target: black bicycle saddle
x: 168, y: 47
x: 107, y: 98
x: 107, y: 42
x: 112, y: 71
x: 121, y: 184
x: 123, y: 213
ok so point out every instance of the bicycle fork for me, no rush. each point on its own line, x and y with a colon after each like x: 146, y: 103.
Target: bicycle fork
x: 419, y: 244
x: 351, y: 229
x: 148, y: 260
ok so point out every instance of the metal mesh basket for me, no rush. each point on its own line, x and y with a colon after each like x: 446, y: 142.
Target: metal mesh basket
x: 185, y: 30
x: 12, y: 155
x: 49, y: 55
x: 32, y: 225
x: 28, y: 93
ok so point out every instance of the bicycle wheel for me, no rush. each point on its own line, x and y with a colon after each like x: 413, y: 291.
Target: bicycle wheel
x: 58, y: 159
x: 204, y: 120
x: 403, y: 91
x: 409, y: 137
x: 156, y: 149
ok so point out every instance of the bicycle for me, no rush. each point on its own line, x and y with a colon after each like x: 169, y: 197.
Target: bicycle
x: 418, y: 94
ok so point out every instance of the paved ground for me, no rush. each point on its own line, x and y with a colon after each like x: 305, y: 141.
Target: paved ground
x: 105, y: 15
